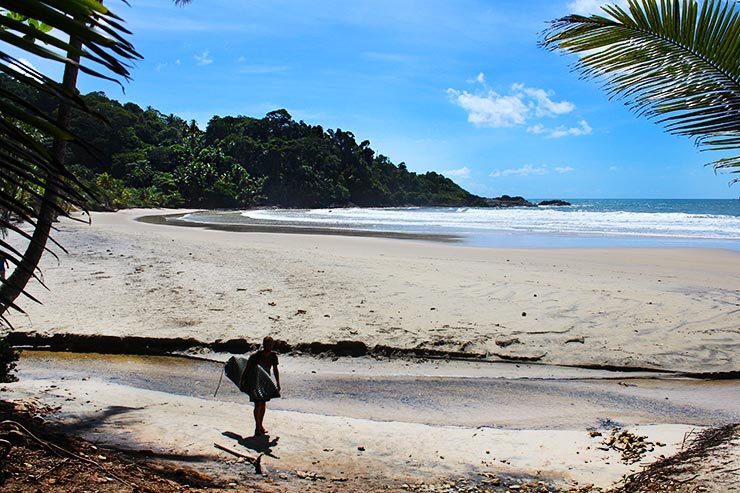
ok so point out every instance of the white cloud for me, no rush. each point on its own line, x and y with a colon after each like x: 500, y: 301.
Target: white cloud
x: 613, y: 168
x: 563, y: 169
x: 537, y: 129
x: 463, y: 172
x: 543, y: 105
x: 525, y: 170
x: 241, y: 59
x: 528, y: 170
x: 583, y: 128
x: 491, y: 109
x: 204, y: 58
x: 588, y: 7
x: 487, y: 108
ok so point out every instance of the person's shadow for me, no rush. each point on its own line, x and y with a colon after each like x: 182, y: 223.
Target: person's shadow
x: 260, y: 444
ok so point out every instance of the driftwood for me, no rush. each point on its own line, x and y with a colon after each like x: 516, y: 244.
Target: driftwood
x: 255, y: 461
x: 251, y: 459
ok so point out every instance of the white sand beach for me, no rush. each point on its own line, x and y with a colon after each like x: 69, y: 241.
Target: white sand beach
x: 666, y: 309
x: 674, y: 309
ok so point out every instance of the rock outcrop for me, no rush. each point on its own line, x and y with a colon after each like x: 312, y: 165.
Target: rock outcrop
x: 557, y: 203
x: 507, y: 201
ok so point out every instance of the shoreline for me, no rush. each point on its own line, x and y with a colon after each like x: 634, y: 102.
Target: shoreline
x: 175, y: 220
x: 665, y: 309
x: 462, y: 236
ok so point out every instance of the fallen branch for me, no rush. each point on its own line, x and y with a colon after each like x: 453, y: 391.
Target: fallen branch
x: 236, y: 453
x: 255, y: 461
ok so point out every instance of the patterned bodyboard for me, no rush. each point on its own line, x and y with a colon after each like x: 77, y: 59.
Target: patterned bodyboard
x: 263, y: 387
x: 234, y: 369
x: 258, y: 383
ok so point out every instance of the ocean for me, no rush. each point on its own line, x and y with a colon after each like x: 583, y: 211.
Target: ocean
x: 585, y: 223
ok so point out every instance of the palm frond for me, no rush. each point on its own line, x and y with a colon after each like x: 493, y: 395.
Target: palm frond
x: 93, y: 39
x: 671, y: 60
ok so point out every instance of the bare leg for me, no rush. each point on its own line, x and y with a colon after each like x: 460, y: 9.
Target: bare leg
x: 262, y: 417
x: 259, y: 414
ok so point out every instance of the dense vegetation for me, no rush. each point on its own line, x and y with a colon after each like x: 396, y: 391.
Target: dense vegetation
x: 142, y: 157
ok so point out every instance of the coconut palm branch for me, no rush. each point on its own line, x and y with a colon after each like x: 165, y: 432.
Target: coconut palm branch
x: 674, y: 61
x: 87, y: 37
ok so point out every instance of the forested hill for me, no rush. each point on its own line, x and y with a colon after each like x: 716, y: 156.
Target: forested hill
x: 146, y: 158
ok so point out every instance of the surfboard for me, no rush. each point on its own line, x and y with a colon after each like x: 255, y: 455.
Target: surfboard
x: 263, y: 387
x: 257, y: 383
x: 234, y: 369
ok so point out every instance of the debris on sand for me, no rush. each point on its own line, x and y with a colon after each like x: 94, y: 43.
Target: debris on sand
x: 309, y: 476
x: 37, y: 458
x: 492, y: 483
x: 708, y: 462
x: 631, y: 447
x: 508, y: 342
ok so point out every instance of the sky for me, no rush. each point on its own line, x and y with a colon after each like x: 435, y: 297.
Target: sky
x: 460, y: 87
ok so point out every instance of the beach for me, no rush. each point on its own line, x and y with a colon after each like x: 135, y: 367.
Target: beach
x: 670, y: 309
x: 552, y: 349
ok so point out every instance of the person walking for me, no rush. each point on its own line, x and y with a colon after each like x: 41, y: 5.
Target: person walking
x: 262, y: 389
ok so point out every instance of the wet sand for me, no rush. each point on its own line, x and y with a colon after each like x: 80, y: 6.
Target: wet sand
x: 453, y: 393
x: 414, y: 421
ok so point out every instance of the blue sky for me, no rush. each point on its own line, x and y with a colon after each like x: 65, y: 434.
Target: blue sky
x: 459, y: 87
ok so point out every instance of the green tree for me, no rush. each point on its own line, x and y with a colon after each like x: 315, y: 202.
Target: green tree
x: 674, y: 60
x: 24, y: 157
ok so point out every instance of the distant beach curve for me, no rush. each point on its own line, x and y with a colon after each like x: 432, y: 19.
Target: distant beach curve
x: 586, y: 223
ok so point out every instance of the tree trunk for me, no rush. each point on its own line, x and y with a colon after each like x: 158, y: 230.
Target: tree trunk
x: 23, y: 272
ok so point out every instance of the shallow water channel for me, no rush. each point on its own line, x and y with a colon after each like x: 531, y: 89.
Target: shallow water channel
x: 440, y: 393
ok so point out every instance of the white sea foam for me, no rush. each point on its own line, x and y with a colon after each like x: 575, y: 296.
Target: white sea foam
x: 526, y: 220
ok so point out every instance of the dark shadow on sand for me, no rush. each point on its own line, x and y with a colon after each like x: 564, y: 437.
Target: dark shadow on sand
x: 261, y: 444
x: 171, y: 456
x: 90, y: 422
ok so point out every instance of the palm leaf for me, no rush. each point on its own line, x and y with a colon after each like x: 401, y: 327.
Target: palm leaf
x: 93, y: 40
x: 671, y: 60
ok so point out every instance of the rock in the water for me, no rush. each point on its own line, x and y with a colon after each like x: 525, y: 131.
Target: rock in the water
x: 507, y: 201
x: 556, y: 203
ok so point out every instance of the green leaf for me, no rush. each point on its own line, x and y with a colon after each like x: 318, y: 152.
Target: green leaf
x: 670, y: 60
